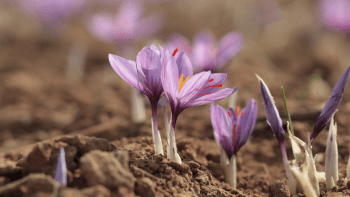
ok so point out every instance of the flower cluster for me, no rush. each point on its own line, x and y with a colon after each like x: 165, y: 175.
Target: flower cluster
x: 155, y: 72
x: 303, y: 167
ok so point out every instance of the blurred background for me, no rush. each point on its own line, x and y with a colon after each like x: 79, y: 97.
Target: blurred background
x: 55, y: 77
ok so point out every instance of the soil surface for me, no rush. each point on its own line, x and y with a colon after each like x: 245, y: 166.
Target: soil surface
x: 109, y: 155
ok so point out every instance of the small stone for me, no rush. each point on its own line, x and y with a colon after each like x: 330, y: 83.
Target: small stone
x: 145, y: 187
x: 278, y: 189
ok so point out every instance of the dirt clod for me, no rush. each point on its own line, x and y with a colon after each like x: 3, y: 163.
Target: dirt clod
x: 103, y: 168
x: 278, y: 189
x: 145, y: 187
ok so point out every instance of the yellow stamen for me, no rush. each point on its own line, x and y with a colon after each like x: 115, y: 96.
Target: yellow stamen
x: 182, y: 81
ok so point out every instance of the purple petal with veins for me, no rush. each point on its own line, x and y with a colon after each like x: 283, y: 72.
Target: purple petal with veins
x: 331, y: 104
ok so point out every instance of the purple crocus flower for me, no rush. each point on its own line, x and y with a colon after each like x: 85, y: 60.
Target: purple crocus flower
x: 144, y: 75
x: 274, y: 120
x: 52, y: 13
x: 232, y: 129
x: 126, y: 26
x: 183, y: 89
x: 61, y: 168
x: 335, y: 14
x: 331, y: 105
x: 272, y: 116
x: 207, y: 54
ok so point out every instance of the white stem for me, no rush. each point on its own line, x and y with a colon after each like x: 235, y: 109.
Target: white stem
x: 76, y: 62
x: 304, y: 182
x: 312, y: 172
x: 297, y: 146
x: 291, y: 182
x: 137, y: 106
x: 167, y: 125
x: 231, y: 172
x: 331, y: 159
x: 172, y: 149
x: 158, y: 145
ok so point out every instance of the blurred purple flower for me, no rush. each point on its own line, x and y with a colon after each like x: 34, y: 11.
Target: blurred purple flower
x: 52, y: 13
x: 335, y: 14
x: 331, y: 104
x: 207, y: 54
x: 183, y: 89
x: 232, y: 129
x: 272, y: 116
x: 61, y: 168
x: 126, y: 26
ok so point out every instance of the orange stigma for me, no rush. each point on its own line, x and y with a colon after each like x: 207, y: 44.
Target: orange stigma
x: 175, y: 51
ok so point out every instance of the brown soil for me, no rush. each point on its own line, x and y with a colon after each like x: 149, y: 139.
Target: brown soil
x: 108, y: 155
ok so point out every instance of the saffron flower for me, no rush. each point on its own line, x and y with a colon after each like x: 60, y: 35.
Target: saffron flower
x: 274, y: 120
x: 144, y: 75
x: 335, y: 14
x: 207, y: 54
x: 183, y: 89
x: 126, y: 26
x: 232, y: 130
x: 61, y: 168
x: 331, y: 105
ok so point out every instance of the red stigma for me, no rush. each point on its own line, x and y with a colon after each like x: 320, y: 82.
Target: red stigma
x: 175, y: 51
x: 229, y: 113
x: 237, y: 111
x: 234, y: 132
x: 218, y: 85
x: 211, y: 80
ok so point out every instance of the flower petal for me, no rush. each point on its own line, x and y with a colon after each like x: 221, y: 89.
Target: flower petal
x: 61, y: 168
x: 184, y: 64
x: 214, y: 79
x: 335, y: 14
x: 204, y: 51
x: 210, y: 98
x: 169, y: 77
x: 272, y: 115
x: 231, y: 44
x: 246, y: 125
x: 149, y: 71
x: 222, y: 131
x: 331, y: 104
x: 192, y: 88
x: 126, y: 69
